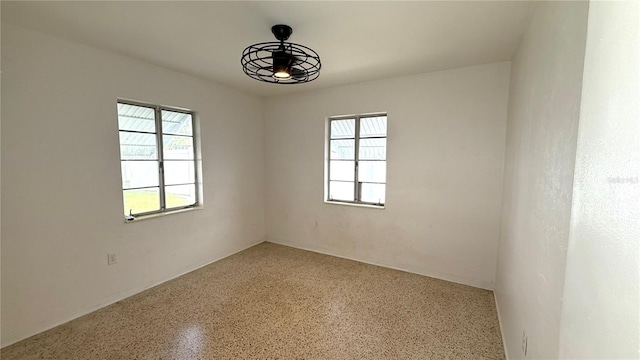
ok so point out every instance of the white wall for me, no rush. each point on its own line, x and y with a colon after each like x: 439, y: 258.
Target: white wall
x: 446, y: 133
x: 601, y: 310
x: 61, y: 198
x: 544, y: 104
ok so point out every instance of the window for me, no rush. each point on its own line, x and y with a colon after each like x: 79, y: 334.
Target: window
x: 357, y: 161
x: 156, y: 178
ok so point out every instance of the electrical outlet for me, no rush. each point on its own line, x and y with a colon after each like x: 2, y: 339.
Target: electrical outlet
x: 111, y: 259
x: 525, y: 343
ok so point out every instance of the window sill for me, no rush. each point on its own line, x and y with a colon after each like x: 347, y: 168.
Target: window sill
x: 355, y: 205
x: 168, y: 213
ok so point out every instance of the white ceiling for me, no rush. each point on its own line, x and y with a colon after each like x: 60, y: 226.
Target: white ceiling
x: 357, y: 41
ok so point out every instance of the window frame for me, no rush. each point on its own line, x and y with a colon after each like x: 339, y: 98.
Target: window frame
x: 356, y: 158
x: 161, y: 160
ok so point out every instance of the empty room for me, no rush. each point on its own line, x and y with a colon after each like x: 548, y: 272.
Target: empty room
x: 320, y: 180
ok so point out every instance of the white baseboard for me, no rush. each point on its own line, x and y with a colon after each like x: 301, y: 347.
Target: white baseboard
x: 504, y: 343
x: 446, y: 277
x: 111, y: 300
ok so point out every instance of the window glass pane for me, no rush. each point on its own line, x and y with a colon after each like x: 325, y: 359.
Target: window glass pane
x: 373, y: 149
x: 373, y: 126
x: 177, y: 147
x: 372, y: 171
x: 342, y: 170
x: 339, y: 190
x: 136, y: 118
x: 136, y: 174
x: 141, y: 200
x: 179, y: 172
x: 180, y: 195
x: 372, y: 193
x: 341, y: 129
x: 342, y: 149
x: 135, y: 146
x: 174, y: 122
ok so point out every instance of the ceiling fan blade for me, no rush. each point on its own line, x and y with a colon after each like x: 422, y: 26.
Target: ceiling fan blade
x: 298, y: 73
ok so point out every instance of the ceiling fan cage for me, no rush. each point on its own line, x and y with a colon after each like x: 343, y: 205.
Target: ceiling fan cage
x: 263, y: 61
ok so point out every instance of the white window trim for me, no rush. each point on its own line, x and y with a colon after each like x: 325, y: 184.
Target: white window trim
x: 159, y: 141
x: 357, y: 139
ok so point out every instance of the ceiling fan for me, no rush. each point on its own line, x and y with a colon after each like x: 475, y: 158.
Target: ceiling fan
x: 281, y: 62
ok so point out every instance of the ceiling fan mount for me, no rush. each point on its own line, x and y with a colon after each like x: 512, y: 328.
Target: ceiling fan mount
x: 281, y: 32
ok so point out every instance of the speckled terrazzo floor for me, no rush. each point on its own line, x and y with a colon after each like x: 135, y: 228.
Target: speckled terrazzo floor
x: 277, y: 302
